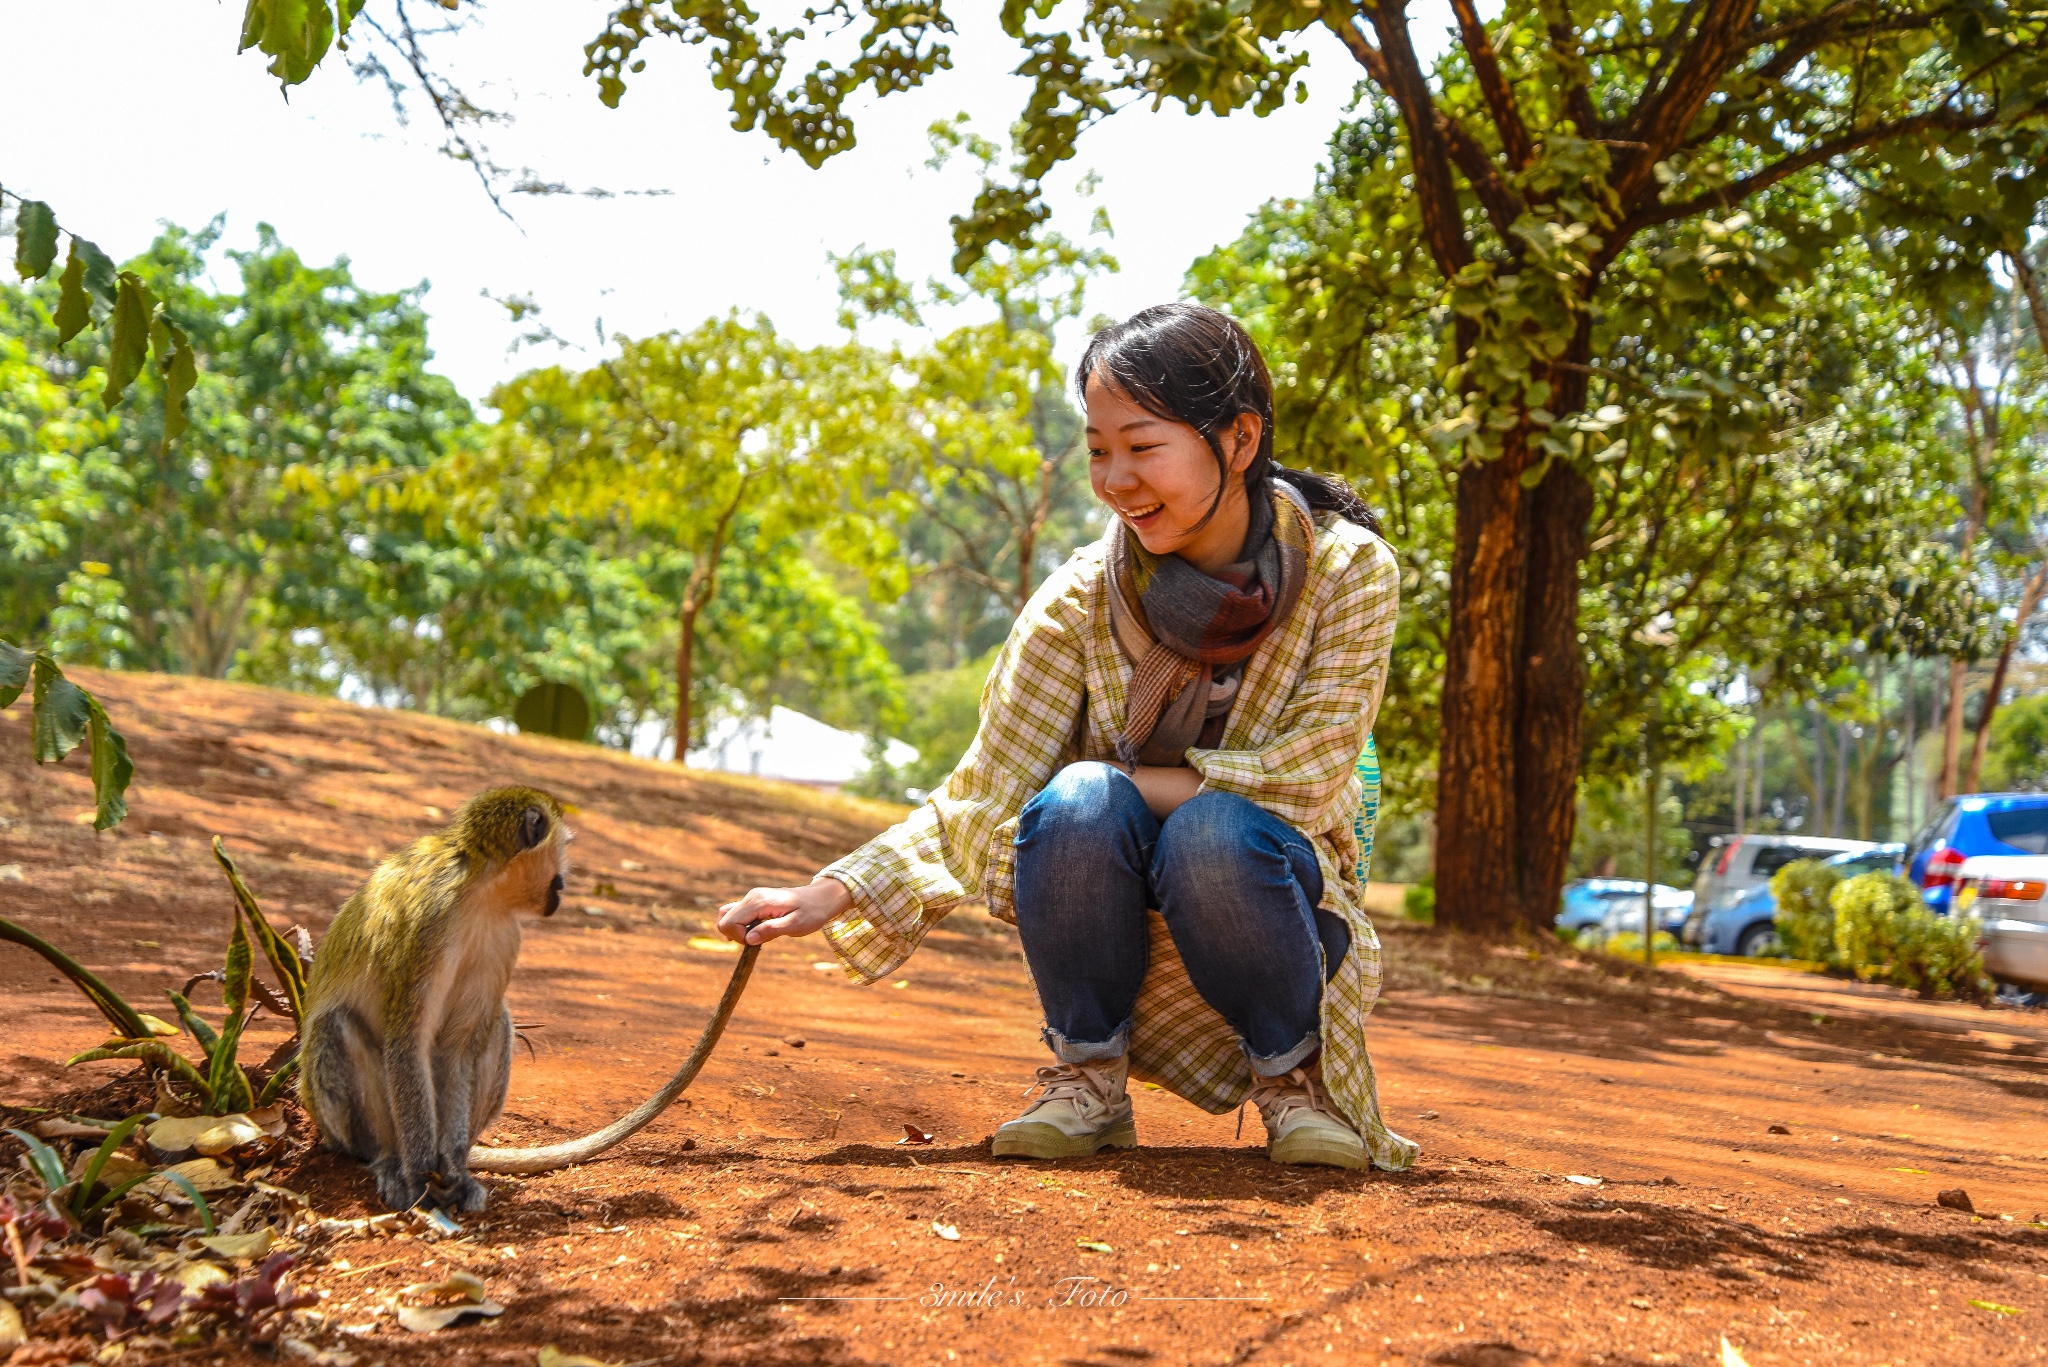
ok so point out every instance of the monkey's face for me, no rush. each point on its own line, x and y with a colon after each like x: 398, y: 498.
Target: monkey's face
x: 543, y: 842
x: 520, y: 833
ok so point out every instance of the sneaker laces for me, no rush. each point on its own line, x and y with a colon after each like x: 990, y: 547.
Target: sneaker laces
x: 1064, y: 1082
x: 1289, y: 1092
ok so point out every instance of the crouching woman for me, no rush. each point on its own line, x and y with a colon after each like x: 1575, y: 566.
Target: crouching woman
x: 1162, y: 792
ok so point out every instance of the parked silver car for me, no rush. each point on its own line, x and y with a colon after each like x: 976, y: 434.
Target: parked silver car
x: 1737, y: 863
x: 2008, y: 893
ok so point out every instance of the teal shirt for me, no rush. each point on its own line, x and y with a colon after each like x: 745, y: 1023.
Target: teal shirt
x: 1368, y: 807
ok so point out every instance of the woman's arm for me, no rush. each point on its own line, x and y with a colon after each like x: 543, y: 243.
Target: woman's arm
x: 1165, y: 789
x: 877, y: 903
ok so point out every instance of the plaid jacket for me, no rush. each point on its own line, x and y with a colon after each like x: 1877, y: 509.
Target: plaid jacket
x: 1297, y: 743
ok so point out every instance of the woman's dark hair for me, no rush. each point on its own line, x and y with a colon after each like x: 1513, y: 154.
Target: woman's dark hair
x: 1190, y: 364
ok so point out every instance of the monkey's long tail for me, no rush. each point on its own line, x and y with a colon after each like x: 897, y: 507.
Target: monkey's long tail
x: 551, y: 1156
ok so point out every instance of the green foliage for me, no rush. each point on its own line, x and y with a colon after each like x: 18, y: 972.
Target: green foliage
x: 1885, y: 933
x: 87, y: 1196
x: 90, y: 291
x: 1418, y: 903
x: 2018, y: 753
x: 1805, y: 919
x: 61, y: 715
x: 990, y: 485
x: 296, y: 34
x: 219, y: 1081
x: 941, y: 714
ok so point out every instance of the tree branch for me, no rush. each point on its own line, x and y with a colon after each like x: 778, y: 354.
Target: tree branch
x: 1500, y: 96
x: 1503, y: 206
x: 1665, y: 112
x: 1735, y: 191
x: 1578, y: 100
x: 1442, y: 223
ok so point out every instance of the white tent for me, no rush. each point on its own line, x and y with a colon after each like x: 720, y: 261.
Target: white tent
x: 788, y: 745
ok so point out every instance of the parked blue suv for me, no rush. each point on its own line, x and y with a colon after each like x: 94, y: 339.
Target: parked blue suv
x: 1748, y: 925
x: 1977, y: 823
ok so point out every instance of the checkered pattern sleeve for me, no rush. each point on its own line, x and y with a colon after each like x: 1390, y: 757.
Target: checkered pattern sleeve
x: 907, y: 878
x: 1305, y: 772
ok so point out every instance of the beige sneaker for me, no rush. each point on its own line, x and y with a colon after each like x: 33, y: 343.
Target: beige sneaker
x: 1302, y: 1125
x: 1080, y: 1109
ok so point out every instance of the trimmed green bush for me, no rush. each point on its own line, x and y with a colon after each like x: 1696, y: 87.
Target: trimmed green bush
x: 1418, y: 903
x: 1806, y: 917
x: 1885, y: 933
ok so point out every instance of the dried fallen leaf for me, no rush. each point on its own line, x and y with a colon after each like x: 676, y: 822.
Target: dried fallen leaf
x: 436, y: 1305
x: 1425, y: 1115
x: 238, y: 1245
x: 1729, y: 1356
x: 712, y: 945
x: 1577, y: 1180
x: 551, y: 1356
x: 1093, y: 1246
x: 425, y: 1319
x: 1995, y: 1308
x: 12, y: 1332
x: 208, y: 1175
x: 913, y: 1135
x: 949, y: 1232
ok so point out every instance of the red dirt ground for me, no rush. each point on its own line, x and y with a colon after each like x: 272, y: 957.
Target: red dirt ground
x: 771, y: 1218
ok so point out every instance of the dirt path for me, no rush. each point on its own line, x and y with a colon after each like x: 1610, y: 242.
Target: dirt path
x: 774, y: 1219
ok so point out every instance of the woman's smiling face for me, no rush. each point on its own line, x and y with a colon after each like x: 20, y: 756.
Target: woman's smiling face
x: 1160, y: 478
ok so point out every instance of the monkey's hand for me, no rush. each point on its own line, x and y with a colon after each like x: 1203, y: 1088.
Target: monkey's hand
x: 767, y: 913
x: 396, y: 1188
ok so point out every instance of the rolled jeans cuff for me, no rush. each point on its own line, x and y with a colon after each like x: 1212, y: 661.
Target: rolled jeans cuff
x: 1280, y: 1064
x: 1076, y: 1051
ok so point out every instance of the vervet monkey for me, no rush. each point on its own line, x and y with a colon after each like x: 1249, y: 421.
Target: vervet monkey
x: 407, y: 1049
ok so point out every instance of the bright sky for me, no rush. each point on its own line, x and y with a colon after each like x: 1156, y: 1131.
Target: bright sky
x: 153, y: 116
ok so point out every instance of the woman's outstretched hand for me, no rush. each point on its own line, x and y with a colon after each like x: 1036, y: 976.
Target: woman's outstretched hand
x: 766, y: 913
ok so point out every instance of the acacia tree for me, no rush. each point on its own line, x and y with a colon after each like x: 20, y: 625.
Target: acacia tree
x: 692, y: 442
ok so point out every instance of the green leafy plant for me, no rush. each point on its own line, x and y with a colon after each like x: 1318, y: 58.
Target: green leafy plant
x: 92, y: 293
x: 61, y: 715
x: 81, y: 1203
x: 1418, y: 902
x: 218, y: 1081
x: 1805, y: 917
x: 1885, y: 933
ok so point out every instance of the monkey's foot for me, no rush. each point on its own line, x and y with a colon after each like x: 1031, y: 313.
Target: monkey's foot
x: 465, y: 1193
x: 396, y: 1189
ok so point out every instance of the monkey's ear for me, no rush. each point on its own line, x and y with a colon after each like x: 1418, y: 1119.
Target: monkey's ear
x: 533, y: 825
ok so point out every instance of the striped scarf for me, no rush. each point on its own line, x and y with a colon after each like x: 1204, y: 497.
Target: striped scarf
x: 1187, y: 634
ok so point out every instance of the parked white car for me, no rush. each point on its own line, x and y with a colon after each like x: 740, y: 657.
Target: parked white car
x: 2008, y: 893
x: 1625, y: 914
x: 1737, y: 863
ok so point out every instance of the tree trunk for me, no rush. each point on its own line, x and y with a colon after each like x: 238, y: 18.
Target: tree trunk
x: 686, y: 659
x: 1952, y: 734
x: 1912, y: 745
x: 1553, y: 691
x: 1478, y: 883
x: 1650, y: 778
x: 2030, y: 598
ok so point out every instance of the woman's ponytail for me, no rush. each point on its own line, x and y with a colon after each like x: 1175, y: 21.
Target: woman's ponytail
x: 1327, y: 492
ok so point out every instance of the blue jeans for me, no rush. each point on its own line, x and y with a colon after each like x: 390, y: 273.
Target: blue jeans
x: 1237, y: 887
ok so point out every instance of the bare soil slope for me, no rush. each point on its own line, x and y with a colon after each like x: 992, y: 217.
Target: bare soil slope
x: 1769, y: 1145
